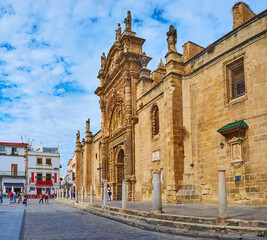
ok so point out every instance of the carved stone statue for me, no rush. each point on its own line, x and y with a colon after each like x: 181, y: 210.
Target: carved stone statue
x: 172, y: 39
x: 118, y: 33
x: 128, y: 21
x: 78, y: 136
x: 103, y: 60
x: 88, y: 125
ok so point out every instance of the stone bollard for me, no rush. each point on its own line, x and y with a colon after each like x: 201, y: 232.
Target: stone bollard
x: 222, y: 195
x: 105, y: 194
x: 157, y: 201
x: 76, y: 196
x: 92, y: 194
x: 82, y: 196
x: 124, y: 194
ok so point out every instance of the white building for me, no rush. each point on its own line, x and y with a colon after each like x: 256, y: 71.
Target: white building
x: 12, y: 166
x: 43, y: 170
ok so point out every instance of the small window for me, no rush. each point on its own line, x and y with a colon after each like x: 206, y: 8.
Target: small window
x: 14, y: 150
x: 39, y: 161
x: 236, y: 79
x: 2, y: 149
x: 48, y: 161
x: 39, y: 176
x: 155, y: 121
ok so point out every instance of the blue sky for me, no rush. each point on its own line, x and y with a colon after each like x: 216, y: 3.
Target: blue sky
x: 50, y: 57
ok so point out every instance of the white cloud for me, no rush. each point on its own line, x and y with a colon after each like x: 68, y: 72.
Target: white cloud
x: 47, y: 82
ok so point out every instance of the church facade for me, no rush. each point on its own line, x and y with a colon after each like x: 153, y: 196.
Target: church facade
x: 203, y: 111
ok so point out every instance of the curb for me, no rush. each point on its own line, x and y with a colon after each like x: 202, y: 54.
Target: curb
x: 22, y: 226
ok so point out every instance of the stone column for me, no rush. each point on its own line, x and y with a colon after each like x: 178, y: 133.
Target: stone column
x: 105, y: 194
x: 157, y: 201
x: 124, y: 194
x: 92, y: 194
x: 82, y: 197
x: 222, y: 195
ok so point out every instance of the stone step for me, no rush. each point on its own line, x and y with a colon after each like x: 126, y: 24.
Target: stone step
x: 191, y: 219
x: 209, y: 229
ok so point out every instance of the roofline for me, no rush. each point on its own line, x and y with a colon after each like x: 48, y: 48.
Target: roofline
x: 14, y: 144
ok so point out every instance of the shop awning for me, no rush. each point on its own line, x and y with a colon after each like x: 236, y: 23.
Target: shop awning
x: 15, y: 185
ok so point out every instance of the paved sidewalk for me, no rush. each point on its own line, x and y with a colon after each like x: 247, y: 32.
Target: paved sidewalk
x: 244, y: 212
x: 12, y: 223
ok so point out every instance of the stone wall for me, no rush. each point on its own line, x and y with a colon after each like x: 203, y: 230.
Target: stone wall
x: 211, y: 109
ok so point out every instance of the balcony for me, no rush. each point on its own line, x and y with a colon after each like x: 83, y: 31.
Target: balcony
x: 12, y: 174
x: 44, y: 182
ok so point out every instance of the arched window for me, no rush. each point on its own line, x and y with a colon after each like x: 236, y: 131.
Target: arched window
x: 155, y: 121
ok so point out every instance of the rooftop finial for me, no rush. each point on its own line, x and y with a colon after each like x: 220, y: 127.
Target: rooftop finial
x: 128, y: 21
x: 78, y: 136
x: 118, y: 33
x: 88, y: 125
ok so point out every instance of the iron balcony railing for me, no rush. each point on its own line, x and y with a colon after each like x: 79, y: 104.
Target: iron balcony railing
x: 12, y: 173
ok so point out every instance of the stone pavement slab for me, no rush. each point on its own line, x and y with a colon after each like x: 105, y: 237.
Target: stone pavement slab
x: 11, y: 223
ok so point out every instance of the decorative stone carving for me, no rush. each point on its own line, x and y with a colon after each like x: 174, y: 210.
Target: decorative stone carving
x: 118, y: 33
x: 128, y: 21
x: 117, y: 117
x: 172, y: 39
x: 78, y: 136
x: 103, y: 60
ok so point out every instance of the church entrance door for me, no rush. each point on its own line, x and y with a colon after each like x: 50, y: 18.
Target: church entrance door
x: 120, y: 173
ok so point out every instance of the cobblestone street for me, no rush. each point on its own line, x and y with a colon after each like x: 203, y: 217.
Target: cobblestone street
x: 58, y: 221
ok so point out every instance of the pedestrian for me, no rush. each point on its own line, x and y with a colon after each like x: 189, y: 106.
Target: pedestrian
x: 14, y: 196
x: 18, y: 197
x: 11, y: 195
x: 46, y: 197
x: 41, y: 198
x: 109, y: 192
x: 1, y: 197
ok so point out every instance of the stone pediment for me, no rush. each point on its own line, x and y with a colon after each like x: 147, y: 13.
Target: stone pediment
x: 112, y: 58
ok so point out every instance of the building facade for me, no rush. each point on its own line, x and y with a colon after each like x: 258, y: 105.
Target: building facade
x: 43, y: 171
x: 202, y: 111
x: 12, y: 166
x: 71, y: 176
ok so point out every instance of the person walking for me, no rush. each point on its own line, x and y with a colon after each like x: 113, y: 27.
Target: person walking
x: 109, y: 192
x: 46, y: 197
x: 14, y: 196
x: 1, y: 197
x: 11, y: 195
x: 19, y: 195
x: 41, y: 197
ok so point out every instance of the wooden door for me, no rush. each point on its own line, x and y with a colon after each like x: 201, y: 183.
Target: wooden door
x: 14, y: 169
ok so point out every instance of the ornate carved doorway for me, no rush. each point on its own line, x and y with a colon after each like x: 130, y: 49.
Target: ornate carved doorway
x: 120, y: 173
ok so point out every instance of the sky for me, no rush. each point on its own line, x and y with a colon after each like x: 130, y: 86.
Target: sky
x: 50, y: 55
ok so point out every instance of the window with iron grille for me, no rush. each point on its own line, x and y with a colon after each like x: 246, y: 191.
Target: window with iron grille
x: 236, y: 79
